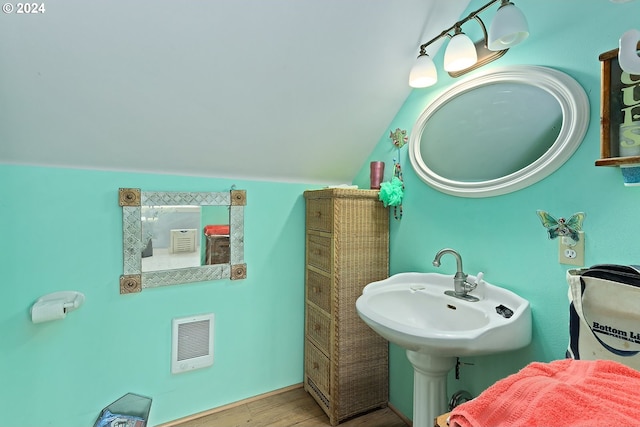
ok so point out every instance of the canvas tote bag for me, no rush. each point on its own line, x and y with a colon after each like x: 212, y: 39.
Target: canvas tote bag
x: 604, y: 314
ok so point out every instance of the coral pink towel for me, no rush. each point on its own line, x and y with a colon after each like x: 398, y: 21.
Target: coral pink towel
x: 563, y: 393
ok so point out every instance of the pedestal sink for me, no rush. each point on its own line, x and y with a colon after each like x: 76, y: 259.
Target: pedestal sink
x: 412, y: 311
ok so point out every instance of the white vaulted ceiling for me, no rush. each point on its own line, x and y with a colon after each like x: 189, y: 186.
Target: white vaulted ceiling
x: 279, y: 90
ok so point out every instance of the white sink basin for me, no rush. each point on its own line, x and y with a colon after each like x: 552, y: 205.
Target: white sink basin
x: 412, y: 311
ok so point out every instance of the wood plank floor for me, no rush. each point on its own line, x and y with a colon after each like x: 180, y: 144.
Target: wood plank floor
x: 288, y: 409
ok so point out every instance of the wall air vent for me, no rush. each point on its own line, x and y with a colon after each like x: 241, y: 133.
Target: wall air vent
x: 192, y: 343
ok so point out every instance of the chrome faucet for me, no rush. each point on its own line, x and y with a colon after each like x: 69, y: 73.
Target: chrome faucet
x: 461, y: 287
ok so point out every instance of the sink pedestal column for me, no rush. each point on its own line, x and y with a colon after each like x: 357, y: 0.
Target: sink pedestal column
x: 429, y: 386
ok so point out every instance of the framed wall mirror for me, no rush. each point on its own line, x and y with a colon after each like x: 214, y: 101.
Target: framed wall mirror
x: 171, y: 238
x: 500, y: 131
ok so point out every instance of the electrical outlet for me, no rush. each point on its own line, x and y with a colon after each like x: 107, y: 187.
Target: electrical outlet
x: 573, y: 255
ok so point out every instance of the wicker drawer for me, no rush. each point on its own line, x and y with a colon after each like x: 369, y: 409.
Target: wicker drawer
x: 319, y: 290
x: 317, y: 367
x: 347, y: 246
x: 320, y: 214
x: 319, y: 252
x: 318, y: 328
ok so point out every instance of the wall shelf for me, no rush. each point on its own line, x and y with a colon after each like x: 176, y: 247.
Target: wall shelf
x: 618, y: 161
x: 616, y: 112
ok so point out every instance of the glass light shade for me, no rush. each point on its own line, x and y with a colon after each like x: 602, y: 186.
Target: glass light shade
x: 508, y: 28
x: 628, y: 52
x: 423, y: 73
x: 460, y: 54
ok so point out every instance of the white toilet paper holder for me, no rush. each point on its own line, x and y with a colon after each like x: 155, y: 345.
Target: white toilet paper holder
x: 70, y: 301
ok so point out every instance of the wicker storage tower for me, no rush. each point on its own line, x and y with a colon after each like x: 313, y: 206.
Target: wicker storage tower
x: 347, y: 247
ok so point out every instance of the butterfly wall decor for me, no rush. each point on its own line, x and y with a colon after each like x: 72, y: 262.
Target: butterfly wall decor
x: 562, y: 227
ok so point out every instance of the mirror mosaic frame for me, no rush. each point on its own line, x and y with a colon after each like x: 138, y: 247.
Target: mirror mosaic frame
x: 574, y: 104
x: 131, y: 200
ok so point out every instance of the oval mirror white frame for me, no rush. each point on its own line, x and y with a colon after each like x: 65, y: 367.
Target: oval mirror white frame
x: 574, y: 105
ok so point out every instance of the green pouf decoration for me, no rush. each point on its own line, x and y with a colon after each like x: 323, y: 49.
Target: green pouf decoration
x: 391, y: 192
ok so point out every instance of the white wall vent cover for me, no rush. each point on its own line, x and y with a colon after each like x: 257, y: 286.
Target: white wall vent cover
x: 183, y: 240
x: 192, y: 343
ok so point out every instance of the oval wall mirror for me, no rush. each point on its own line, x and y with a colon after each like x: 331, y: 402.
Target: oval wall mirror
x: 500, y: 131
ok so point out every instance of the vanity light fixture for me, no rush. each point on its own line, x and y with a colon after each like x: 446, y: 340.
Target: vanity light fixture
x: 461, y: 52
x: 509, y: 27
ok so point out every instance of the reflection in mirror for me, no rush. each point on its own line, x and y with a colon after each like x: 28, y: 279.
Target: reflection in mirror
x: 499, y: 132
x: 170, y: 237
x: 179, y: 236
x: 174, y: 237
x: 216, y: 235
x: 508, y: 106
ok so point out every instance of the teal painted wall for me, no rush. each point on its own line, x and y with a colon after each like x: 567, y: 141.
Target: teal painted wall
x: 502, y: 235
x: 62, y: 230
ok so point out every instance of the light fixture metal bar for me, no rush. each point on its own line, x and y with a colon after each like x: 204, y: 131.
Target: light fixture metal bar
x: 485, y: 56
x: 444, y: 33
x: 484, y: 30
